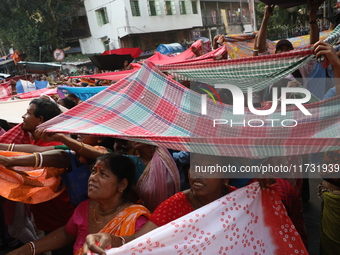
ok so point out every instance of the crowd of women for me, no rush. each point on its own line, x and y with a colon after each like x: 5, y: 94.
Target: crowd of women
x: 118, y: 190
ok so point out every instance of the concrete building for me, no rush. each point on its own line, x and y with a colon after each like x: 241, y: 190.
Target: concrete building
x: 146, y: 24
x: 133, y: 23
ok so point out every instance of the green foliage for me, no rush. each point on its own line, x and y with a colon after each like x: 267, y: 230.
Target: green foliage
x: 282, y: 22
x: 28, y: 24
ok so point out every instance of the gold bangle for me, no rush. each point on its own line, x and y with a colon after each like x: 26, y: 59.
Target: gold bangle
x: 81, y: 147
x: 36, y: 159
x: 123, y: 239
x: 9, y: 147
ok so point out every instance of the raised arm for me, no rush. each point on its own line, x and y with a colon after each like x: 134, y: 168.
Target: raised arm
x: 262, y: 35
x: 80, y: 148
x: 313, y: 24
x: 53, y: 158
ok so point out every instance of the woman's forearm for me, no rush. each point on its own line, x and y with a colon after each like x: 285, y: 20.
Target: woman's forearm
x: 29, y: 148
x: 53, y: 158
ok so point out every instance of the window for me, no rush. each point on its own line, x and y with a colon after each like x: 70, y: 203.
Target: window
x: 194, y: 7
x: 182, y: 7
x: 135, y: 8
x: 152, y: 8
x: 102, y: 16
x: 168, y: 9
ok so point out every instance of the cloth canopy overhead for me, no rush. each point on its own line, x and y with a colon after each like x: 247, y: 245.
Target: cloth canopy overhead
x: 285, y: 4
x: 114, y: 59
x: 149, y: 107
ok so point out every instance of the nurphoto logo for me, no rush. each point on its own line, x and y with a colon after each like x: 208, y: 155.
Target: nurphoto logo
x: 238, y: 104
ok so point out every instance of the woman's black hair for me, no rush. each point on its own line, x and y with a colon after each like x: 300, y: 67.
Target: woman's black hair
x: 107, y: 142
x: 121, y: 166
x: 68, y: 102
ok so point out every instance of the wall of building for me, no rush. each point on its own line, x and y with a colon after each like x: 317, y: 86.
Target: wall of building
x: 121, y: 22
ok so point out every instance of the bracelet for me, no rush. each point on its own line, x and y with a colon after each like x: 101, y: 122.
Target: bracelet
x: 123, y: 239
x: 312, y: 22
x: 32, y: 247
x: 82, y: 146
x: 36, y: 160
x: 255, y: 50
x: 10, y: 147
x: 41, y: 159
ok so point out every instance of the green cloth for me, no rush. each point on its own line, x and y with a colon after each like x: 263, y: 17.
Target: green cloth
x: 330, y: 224
x: 65, y: 147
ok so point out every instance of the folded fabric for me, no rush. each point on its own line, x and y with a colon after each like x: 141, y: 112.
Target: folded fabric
x: 27, y: 184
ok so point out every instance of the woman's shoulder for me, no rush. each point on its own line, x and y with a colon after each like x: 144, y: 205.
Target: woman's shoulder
x: 178, y: 198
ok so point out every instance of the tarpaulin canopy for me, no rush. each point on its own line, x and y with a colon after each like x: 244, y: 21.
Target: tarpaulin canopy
x: 170, y: 48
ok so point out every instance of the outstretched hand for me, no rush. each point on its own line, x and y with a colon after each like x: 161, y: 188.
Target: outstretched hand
x: 327, y: 50
x: 97, y: 243
x: 268, y: 10
x: 47, y: 137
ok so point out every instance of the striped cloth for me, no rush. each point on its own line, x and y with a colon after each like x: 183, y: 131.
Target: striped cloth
x: 148, y: 106
x: 5, y: 90
x: 255, y: 72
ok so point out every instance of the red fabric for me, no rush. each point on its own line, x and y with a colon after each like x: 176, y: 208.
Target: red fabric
x: 112, y: 76
x: 5, y: 90
x: 187, y: 54
x: 291, y: 199
x: 171, y: 209
x: 16, y: 135
x: 157, y: 56
x: 53, y: 214
x: 134, y: 52
x: 38, y: 93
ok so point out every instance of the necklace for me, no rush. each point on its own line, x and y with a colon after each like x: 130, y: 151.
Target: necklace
x: 105, y: 213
